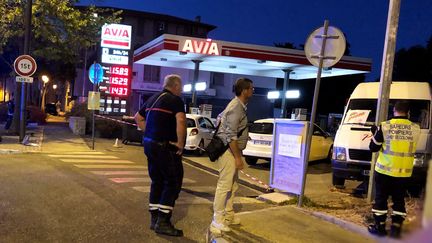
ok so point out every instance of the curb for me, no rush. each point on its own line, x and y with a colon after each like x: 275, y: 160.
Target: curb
x: 340, y: 222
x: 215, y: 172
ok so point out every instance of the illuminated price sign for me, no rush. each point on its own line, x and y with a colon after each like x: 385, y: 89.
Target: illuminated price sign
x: 119, y: 70
x: 124, y: 81
x: 119, y: 80
x: 117, y: 90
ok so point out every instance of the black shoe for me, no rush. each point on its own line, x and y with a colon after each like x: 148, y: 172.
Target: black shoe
x: 395, y: 232
x: 154, y: 218
x: 163, y: 226
x: 377, y: 230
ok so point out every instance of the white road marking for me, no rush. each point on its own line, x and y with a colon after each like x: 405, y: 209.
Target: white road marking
x: 131, y: 172
x: 85, y: 152
x: 82, y: 156
x: 111, y: 166
x: 142, y: 179
x: 117, y: 161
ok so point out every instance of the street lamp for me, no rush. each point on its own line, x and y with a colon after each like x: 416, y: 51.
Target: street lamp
x: 45, y: 80
x: 54, y: 86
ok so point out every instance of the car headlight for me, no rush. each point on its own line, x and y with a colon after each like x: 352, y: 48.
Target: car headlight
x: 339, y: 153
x: 421, y: 160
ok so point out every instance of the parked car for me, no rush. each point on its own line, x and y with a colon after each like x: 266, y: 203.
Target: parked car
x: 50, y: 108
x: 259, y: 145
x: 200, y: 130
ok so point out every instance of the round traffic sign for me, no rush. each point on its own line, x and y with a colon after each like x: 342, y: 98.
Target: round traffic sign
x: 96, y: 73
x: 334, y: 49
x: 25, y: 65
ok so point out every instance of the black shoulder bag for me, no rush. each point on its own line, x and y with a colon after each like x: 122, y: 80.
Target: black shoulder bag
x: 216, y: 147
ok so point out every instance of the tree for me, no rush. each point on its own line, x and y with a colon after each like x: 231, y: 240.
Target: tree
x: 59, y: 30
x: 414, y: 63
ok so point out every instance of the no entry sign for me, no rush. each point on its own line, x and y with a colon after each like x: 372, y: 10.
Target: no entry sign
x: 25, y: 65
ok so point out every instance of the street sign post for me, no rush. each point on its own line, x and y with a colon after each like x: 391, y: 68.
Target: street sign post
x: 324, y: 48
x: 24, y: 66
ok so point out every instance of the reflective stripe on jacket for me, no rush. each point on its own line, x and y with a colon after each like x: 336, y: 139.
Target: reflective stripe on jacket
x: 396, y: 157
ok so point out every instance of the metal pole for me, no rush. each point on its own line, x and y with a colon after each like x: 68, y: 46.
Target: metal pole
x: 314, y: 105
x: 84, y: 73
x: 195, y: 79
x: 27, y: 23
x: 284, y: 90
x: 93, y: 111
x: 386, y: 77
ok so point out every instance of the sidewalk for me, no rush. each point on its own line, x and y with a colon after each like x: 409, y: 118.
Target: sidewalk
x: 11, y: 145
x: 290, y: 224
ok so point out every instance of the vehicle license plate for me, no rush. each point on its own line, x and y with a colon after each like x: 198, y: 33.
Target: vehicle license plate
x: 262, y: 142
x: 366, y: 172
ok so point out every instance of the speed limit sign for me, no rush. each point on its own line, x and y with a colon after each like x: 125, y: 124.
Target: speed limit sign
x: 25, y: 65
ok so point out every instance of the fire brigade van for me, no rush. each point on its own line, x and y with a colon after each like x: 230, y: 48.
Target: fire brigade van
x: 351, y: 156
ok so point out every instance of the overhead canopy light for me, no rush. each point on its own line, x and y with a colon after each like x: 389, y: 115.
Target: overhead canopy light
x: 200, y: 86
x: 273, y: 95
x: 290, y: 94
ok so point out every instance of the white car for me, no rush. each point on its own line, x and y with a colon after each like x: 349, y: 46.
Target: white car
x: 259, y: 145
x: 200, y: 130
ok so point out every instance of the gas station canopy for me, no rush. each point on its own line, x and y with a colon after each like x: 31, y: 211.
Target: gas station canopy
x: 239, y: 58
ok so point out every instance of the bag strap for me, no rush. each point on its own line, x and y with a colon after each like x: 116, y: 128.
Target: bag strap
x: 154, y: 103
x: 238, y: 134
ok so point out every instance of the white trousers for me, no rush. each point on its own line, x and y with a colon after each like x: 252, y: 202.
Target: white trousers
x: 226, y: 187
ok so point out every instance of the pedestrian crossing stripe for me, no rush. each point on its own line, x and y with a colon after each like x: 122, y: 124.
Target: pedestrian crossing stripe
x: 110, y: 166
x: 84, y: 152
x: 186, y: 198
x: 82, y: 156
x: 117, y: 161
x: 121, y: 172
x: 142, y: 179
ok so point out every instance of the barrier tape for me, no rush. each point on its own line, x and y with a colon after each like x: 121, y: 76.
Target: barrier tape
x: 267, y: 187
x: 116, y: 120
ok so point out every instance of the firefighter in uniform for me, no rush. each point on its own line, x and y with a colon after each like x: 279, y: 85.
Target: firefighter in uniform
x: 163, y: 121
x: 396, y: 141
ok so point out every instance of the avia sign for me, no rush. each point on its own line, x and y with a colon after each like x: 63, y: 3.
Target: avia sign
x: 207, y: 47
x: 117, y: 36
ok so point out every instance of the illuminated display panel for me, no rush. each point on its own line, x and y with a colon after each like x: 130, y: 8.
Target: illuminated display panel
x: 115, y: 56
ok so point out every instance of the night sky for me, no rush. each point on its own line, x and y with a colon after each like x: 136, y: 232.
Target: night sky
x: 274, y: 21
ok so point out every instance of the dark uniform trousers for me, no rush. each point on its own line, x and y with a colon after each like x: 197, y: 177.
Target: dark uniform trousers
x: 390, y: 186
x: 166, y: 172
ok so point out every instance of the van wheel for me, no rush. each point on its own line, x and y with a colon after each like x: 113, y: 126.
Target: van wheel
x: 338, y: 182
x: 251, y: 160
x: 199, y: 151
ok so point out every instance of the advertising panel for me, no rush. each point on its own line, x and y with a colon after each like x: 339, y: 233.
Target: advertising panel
x: 288, y: 152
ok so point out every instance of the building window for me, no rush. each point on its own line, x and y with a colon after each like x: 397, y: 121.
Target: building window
x: 217, y: 79
x: 151, y: 74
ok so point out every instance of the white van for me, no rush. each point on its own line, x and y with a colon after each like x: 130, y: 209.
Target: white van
x: 351, y: 156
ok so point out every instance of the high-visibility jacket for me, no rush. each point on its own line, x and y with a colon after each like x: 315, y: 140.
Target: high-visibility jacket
x: 396, y: 157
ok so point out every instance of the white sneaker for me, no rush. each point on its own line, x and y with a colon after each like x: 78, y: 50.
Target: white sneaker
x: 217, y: 228
x: 232, y: 220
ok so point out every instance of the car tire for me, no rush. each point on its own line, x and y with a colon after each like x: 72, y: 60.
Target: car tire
x: 199, y: 151
x: 338, y: 182
x: 251, y: 160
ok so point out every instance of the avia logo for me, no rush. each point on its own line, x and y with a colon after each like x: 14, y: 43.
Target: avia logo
x: 203, y: 47
x: 116, y: 32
